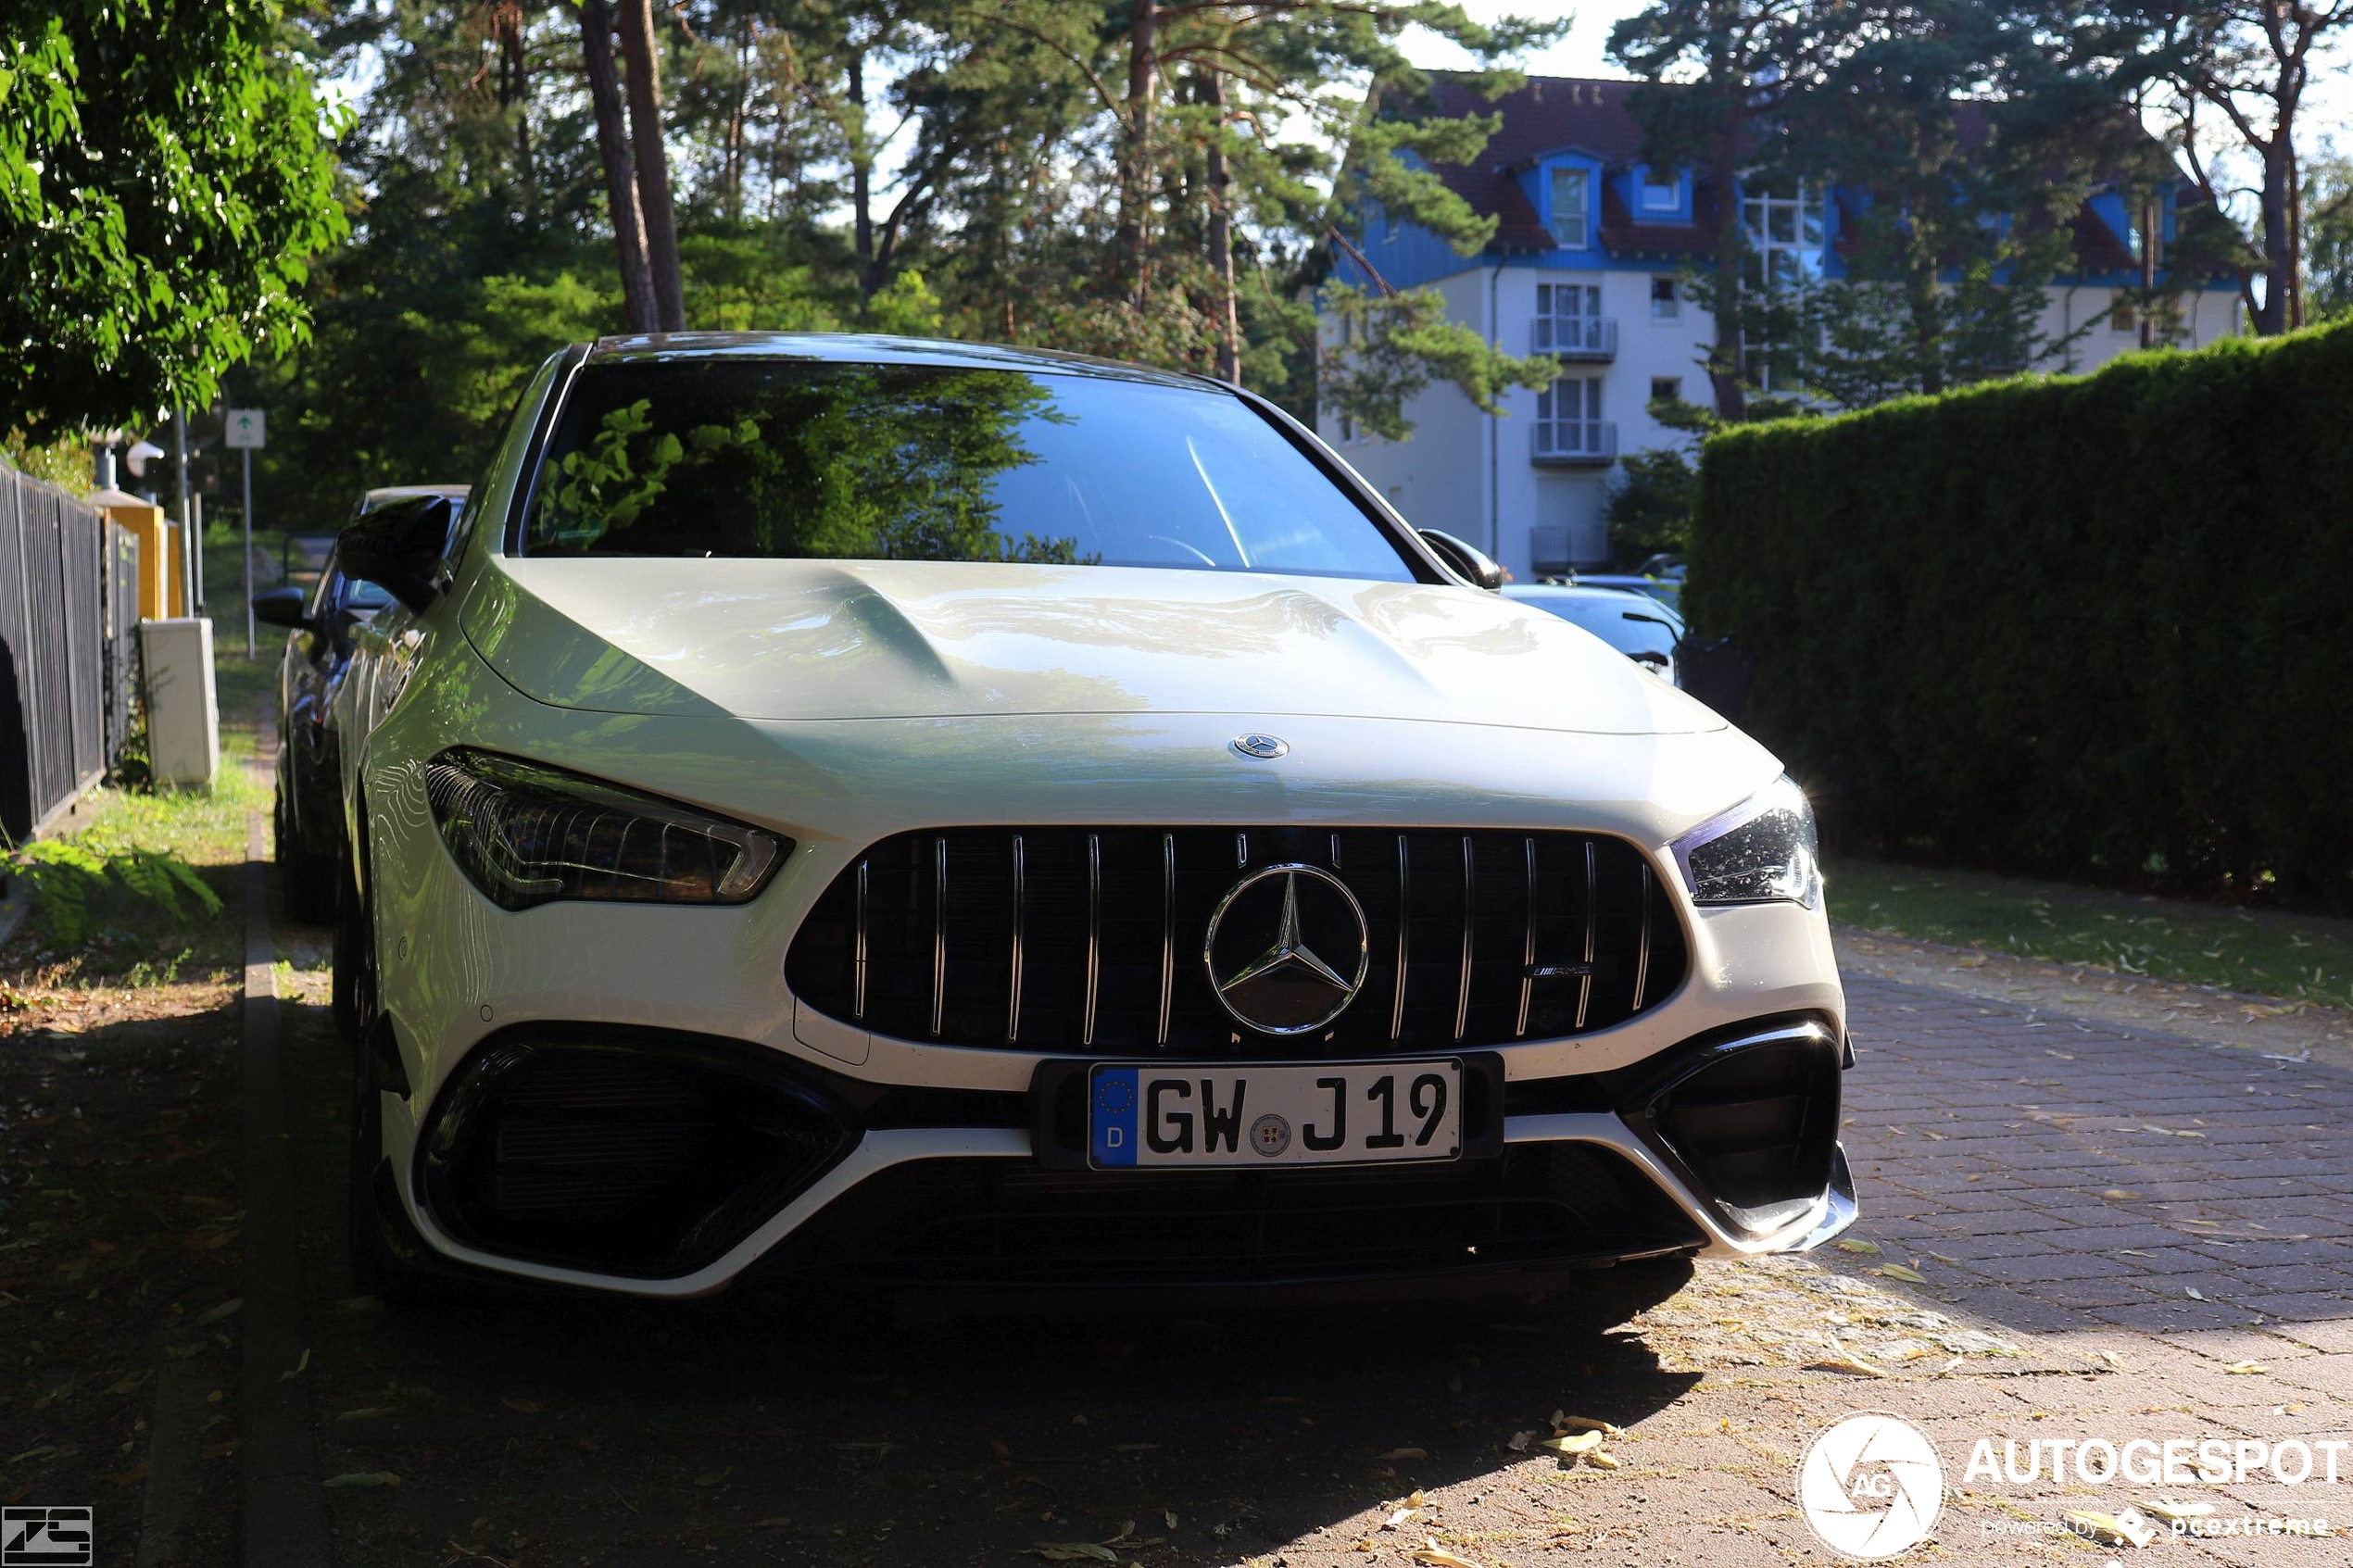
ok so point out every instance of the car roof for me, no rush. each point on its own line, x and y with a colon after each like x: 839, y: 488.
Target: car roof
x: 873, y: 348
x: 1572, y: 591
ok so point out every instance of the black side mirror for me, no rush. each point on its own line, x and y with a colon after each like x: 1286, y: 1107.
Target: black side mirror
x: 399, y: 546
x: 281, y: 606
x: 1467, y: 561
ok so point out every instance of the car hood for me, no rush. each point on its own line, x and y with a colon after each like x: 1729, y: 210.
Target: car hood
x: 815, y: 639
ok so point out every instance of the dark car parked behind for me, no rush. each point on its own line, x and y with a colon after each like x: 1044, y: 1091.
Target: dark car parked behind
x: 308, y: 811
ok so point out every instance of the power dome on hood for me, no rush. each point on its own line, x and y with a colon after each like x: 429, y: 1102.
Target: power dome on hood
x: 799, y: 639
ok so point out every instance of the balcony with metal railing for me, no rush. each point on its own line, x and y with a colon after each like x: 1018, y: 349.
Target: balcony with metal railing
x: 1574, y: 440
x: 1575, y: 337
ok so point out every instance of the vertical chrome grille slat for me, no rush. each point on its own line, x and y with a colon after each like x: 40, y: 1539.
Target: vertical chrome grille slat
x: 1462, y: 985
x: 1642, y: 948
x: 1094, y: 933
x: 1012, y: 996
x: 858, y: 954
x: 1593, y: 905
x: 1405, y: 919
x: 939, y: 935
x: 981, y: 900
x: 1528, y: 946
x: 1167, y: 930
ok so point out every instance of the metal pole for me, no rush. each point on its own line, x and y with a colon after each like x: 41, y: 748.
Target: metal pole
x: 187, y: 534
x: 248, y: 451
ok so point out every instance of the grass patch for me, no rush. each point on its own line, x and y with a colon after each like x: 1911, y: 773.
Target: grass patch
x: 2293, y: 956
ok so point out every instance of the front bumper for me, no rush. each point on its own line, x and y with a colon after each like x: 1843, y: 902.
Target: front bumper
x: 1723, y: 1147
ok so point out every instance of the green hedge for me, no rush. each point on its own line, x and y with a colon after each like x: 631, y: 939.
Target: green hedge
x: 2099, y: 626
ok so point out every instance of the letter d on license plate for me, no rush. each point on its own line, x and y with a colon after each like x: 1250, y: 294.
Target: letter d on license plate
x: 1319, y: 1113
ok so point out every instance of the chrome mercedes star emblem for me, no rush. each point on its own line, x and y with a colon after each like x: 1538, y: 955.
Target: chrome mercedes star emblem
x: 1262, y: 746
x: 1313, y: 967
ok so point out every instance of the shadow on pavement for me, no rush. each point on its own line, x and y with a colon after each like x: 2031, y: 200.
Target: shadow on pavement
x: 792, y: 1428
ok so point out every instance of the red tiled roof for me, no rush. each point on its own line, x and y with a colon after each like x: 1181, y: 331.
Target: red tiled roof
x: 1547, y: 114
x: 1550, y: 113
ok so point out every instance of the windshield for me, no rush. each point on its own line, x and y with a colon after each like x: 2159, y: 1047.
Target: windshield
x: 1626, y: 623
x: 768, y: 458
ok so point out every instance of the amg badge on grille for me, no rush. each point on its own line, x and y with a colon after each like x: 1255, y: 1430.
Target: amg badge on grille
x: 1286, y: 949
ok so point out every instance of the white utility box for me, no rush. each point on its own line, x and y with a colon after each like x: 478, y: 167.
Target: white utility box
x: 184, y: 718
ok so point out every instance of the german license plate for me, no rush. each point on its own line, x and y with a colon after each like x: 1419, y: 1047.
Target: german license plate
x: 1321, y: 1113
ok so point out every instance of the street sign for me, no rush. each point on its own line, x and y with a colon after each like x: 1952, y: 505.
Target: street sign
x: 245, y: 427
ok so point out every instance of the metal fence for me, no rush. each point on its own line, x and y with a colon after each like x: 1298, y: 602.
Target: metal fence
x: 69, y: 648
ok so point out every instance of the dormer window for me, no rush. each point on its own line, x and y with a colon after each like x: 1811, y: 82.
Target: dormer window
x: 1571, y: 222
x: 1661, y: 192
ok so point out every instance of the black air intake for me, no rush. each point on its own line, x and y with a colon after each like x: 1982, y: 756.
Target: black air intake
x: 649, y: 1159
x: 1076, y: 939
x: 1755, y: 1121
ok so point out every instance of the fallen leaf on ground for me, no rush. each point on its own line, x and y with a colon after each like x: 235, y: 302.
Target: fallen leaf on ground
x: 1072, y: 1551
x: 2177, y: 1512
x: 1400, y: 1517
x: 2102, y: 1527
x: 2119, y: 1194
x: 715, y: 1477
x: 1587, y: 1424
x: 365, y: 1412
x: 1574, y: 1444
x: 1897, y: 1270
x: 2247, y: 1367
x: 363, y: 1478
x: 296, y: 1371
x: 1405, y: 1453
x: 521, y: 1406
x: 1519, y: 1442
x: 1847, y: 1363
x: 1601, y: 1461
x: 1866, y: 1248
x: 2194, y: 1293
x: 1439, y: 1557
x: 226, y: 1308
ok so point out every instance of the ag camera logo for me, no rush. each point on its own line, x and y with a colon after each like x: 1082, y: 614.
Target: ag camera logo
x: 1871, y: 1486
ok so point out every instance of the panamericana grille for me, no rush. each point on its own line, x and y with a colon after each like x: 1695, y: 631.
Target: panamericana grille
x: 1077, y: 939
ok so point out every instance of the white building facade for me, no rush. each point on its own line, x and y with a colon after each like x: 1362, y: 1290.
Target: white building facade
x: 1587, y: 265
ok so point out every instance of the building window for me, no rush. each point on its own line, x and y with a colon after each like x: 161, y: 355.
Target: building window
x: 2122, y: 319
x: 1666, y: 304
x: 1784, y: 223
x: 1659, y: 196
x: 1667, y: 389
x: 1569, y: 225
x: 1570, y: 399
x: 1568, y: 319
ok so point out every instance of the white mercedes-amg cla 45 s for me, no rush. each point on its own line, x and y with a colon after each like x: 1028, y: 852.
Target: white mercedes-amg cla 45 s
x: 928, y: 817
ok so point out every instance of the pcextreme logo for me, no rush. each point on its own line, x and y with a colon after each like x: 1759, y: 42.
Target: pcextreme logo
x: 1871, y: 1485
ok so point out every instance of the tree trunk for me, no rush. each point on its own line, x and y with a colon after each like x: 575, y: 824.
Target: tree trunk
x: 1221, y: 234
x: 1724, y: 361
x: 620, y: 169
x: 862, y: 179
x: 1135, y: 173
x: 2147, y: 322
x: 514, y: 93
x: 638, y: 48
x: 2279, y: 268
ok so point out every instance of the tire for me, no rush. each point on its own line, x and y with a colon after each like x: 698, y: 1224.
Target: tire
x: 352, y: 995
x: 306, y: 879
x: 363, y: 1227
x: 385, y: 1252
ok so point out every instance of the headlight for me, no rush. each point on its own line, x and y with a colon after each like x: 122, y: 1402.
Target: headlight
x: 526, y: 834
x: 1761, y: 851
